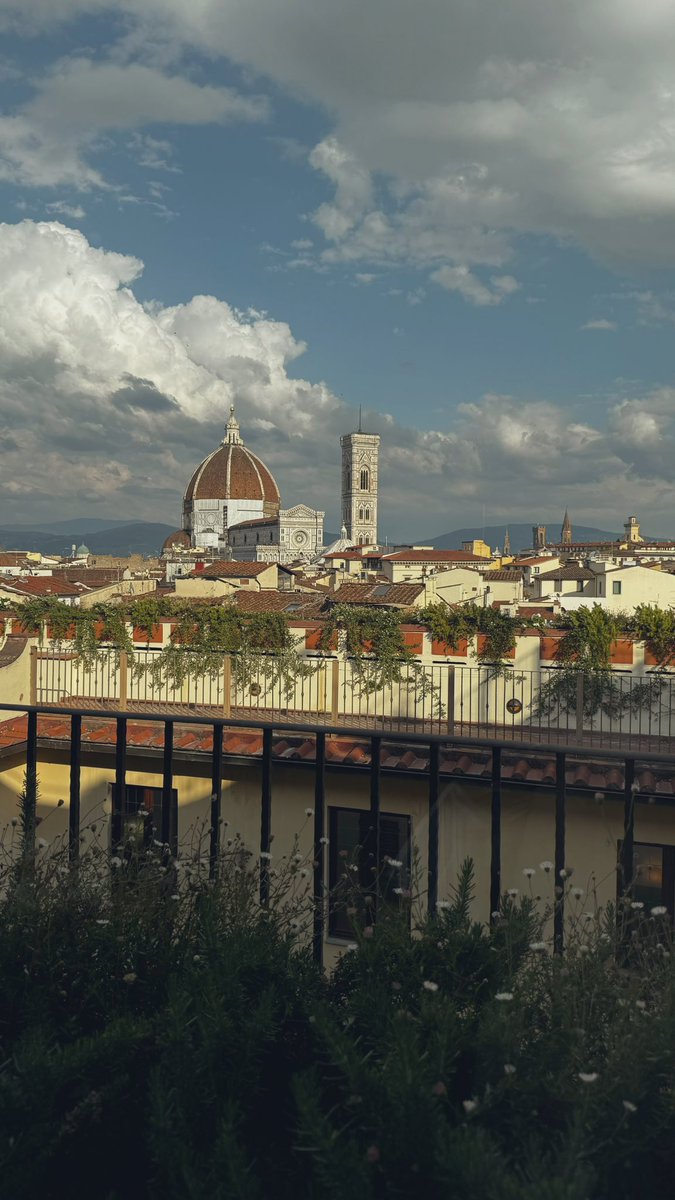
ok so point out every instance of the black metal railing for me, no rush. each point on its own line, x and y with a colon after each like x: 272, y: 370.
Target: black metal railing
x: 554, y: 780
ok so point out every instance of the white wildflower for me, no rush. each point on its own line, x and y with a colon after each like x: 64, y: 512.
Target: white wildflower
x: 538, y: 947
x: 430, y: 986
x: 102, y: 921
x: 115, y: 861
x: 266, y: 855
x: 637, y: 904
x: 42, y: 844
x: 304, y: 874
x: 640, y: 1004
x: 546, y: 866
x: 528, y: 872
x: 469, y: 1106
x: 130, y: 977
x: 504, y: 996
x: 659, y: 910
x: 175, y: 896
x: 398, y: 891
x: 309, y: 812
x: 577, y: 893
x: 629, y: 1106
x: 394, y: 862
x: 512, y: 892
x: 509, y: 1069
x: 323, y: 841
x: 442, y: 904
x: 588, y: 1076
x: 351, y: 946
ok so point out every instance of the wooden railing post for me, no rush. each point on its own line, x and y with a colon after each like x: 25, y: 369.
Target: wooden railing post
x: 335, y: 691
x: 124, y: 679
x: 227, y: 686
x: 33, y: 675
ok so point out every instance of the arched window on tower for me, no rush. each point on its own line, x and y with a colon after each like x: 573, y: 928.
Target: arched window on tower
x: 361, y: 513
x: 365, y: 479
x: 348, y: 479
x: 367, y: 514
x: 360, y: 539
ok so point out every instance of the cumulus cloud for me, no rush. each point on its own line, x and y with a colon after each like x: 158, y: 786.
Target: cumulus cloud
x: 107, y: 405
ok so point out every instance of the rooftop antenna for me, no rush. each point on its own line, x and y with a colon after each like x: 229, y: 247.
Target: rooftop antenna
x: 360, y: 429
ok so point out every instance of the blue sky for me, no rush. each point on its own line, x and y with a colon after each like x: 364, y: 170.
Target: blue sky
x: 463, y: 224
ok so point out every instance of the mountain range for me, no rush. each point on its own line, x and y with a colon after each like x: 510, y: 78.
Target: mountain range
x: 520, y: 535
x: 102, y: 537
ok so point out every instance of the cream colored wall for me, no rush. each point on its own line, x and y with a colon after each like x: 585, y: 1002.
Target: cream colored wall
x: 528, y: 826
x: 15, y: 682
x: 125, y: 587
x: 204, y: 588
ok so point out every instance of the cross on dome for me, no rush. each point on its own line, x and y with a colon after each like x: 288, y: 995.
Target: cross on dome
x: 232, y: 435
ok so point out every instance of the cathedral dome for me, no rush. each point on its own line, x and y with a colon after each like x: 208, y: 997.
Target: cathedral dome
x: 233, y: 473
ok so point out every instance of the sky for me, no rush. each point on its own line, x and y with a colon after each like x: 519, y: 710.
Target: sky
x: 456, y: 214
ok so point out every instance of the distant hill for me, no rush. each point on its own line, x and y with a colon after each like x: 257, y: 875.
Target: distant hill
x: 78, y: 525
x: 137, y: 537
x: 521, y: 536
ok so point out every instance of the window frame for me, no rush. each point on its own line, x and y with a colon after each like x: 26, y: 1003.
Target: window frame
x: 152, y: 829
x: 667, y: 892
x: 337, y: 929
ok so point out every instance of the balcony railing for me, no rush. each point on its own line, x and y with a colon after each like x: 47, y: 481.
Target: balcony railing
x: 427, y: 747
x: 549, y: 705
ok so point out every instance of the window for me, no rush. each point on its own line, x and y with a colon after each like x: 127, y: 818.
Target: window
x: 361, y: 514
x: 653, y: 875
x: 348, y: 480
x: 139, y: 819
x: 616, y: 587
x: 352, y: 841
x: 367, y: 514
x: 365, y: 479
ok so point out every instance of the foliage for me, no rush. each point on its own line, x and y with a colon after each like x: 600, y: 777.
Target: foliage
x: 498, y: 630
x: 170, y: 1044
x: 656, y: 628
x: 372, y: 639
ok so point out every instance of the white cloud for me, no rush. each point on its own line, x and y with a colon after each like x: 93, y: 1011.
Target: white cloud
x: 62, y: 209
x: 46, y: 142
x: 600, y: 323
x: 546, y: 118
x: 462, y: 280
x: 107, y: 404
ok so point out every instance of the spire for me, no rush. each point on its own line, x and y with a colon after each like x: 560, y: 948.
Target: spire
x: 232, y: 434
x: 507, y: 542
x: 566, y: 531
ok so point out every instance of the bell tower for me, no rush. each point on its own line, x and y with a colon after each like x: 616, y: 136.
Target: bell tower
x: 360, y: 454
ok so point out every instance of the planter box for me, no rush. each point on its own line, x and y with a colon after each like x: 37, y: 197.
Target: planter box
x: 447, y: 651
x: 483, y: 641
x: 155, y: 635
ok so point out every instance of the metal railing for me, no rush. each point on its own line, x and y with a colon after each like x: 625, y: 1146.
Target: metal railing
x: 431, y: 745
x: 549, y: 704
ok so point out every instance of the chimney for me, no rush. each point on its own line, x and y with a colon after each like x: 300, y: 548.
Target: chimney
x: 199, y: 566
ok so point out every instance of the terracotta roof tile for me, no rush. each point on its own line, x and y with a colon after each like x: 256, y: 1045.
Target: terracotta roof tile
x: 232, y: 472
x: 591, y: 775
x: 433, y: 556
x: 222, y: 569
x: 39, y: 585
x: 399, y: 595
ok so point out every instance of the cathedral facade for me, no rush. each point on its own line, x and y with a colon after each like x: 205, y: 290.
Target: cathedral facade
x: 232, y: 508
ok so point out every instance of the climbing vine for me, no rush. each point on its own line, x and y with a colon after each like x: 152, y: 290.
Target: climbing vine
x: 498, y: 631
x: 372, y: 638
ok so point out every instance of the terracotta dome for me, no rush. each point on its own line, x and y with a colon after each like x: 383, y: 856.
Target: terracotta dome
x: 232, y: 472
x: 180, y: 540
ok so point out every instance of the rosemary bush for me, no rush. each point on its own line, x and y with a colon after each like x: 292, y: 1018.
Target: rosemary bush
x: 163, y: 1036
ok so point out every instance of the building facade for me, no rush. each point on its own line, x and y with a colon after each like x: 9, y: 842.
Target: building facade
x: 296, y: 533
x: 360, y: 456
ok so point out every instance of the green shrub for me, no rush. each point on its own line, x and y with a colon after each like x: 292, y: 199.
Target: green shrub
x: 163, y: 1036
